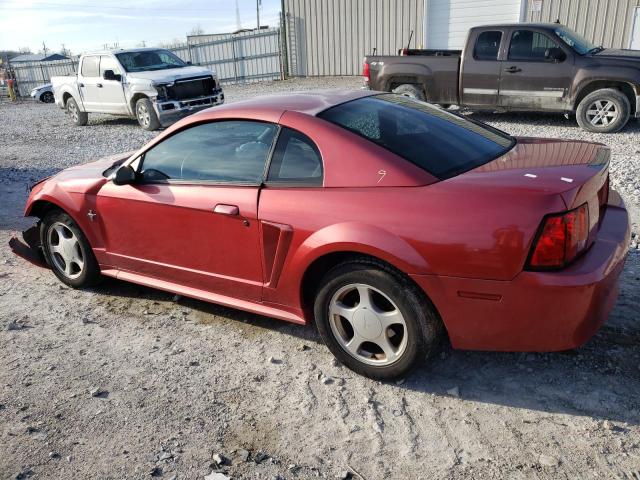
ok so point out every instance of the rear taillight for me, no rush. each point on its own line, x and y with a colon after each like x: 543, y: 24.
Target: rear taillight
x: 365, y: 73
x: 560, y: 240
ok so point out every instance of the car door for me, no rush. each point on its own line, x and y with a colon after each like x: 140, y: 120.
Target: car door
x: 191, y: 219
x: 88, y: 84
x: 536, y: 73
x: 481, y: 68
x: 111, y: 91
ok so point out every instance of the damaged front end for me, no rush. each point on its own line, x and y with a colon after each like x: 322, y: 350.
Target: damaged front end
x: 29, y: 247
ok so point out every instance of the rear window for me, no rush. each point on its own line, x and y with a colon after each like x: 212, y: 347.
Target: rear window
x: 440, y: 142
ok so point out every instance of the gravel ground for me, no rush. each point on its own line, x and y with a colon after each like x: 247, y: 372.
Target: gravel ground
x: 123, y: 381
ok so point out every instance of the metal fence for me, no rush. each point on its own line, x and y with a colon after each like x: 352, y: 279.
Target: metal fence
x: 237, y: 58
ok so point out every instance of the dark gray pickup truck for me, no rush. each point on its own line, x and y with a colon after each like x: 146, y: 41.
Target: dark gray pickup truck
x: 523, y: 66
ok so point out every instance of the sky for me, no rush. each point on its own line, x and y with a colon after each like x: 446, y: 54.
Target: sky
x: 83, y: 25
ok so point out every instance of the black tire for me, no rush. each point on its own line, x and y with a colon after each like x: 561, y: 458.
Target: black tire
x: 89, y: 274
x: 146, y: 115
x: 410, y: 90
x: 594, y: 122
x: 47, y: 97
x: 423, y: 325
x: 78, y: 118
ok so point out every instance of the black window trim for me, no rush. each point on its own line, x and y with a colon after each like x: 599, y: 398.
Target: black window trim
x: 500, y: 47
x: 140, y: 181
x: 297, y: 183
x: 550, y: 35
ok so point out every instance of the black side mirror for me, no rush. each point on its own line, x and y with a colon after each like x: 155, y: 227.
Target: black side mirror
x: 125, y: 175
x: 555, y: 54
x: 110, y: 75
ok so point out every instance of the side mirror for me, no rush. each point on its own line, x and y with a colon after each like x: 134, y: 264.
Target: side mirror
x: 189, y: 63
x: 125, y: 175
x: 111, y: 75
x: 555, y: 54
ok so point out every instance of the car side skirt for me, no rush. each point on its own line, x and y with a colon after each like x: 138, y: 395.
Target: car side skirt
x: 280, y: 312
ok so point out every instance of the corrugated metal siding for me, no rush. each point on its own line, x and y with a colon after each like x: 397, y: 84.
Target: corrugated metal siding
x: 604, y: 22
x: 330, y: 37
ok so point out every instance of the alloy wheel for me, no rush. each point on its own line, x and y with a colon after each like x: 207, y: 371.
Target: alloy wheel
x: 367, y: 324
x: 602, y: 113
x: 144, y: 118
x: 65, y: 250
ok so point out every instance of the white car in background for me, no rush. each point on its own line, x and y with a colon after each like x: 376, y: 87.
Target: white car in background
x: 44, y: 93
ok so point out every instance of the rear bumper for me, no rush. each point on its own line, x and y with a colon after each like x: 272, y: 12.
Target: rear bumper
x: 170, y: 111
x: 537, y: 311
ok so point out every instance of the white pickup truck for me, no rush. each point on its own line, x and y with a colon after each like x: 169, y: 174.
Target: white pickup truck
x: 153, y: 85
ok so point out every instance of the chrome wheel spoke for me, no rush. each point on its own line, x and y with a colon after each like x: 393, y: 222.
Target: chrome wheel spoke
x: 65, y: 250
x: 367, y: 324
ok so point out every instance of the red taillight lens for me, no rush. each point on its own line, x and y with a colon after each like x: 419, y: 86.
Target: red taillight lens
x: 562, y: 238
x: 365, y: 72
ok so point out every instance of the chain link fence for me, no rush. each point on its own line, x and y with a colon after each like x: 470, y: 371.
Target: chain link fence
x: 242, y: 57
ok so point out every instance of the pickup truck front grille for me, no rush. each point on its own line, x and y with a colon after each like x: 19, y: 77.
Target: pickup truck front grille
x: 191, y: 88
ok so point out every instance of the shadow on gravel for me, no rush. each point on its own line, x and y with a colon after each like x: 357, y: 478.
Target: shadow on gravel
x: 599, y: 380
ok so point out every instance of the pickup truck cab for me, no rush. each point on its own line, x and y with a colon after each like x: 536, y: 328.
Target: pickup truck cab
x: 153, y: 85
x: 522, y: 66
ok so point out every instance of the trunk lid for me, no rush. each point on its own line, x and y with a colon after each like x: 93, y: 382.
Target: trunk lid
x: 578, y: 171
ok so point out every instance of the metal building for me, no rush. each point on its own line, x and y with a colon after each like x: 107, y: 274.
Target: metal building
x: 330, y: 37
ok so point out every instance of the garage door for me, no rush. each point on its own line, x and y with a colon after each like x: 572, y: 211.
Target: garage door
x: 448, y: 21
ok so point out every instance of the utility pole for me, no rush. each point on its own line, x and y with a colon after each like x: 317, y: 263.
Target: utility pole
x: 258, y: 12
x: 44, y: 49
x: 238, y: 24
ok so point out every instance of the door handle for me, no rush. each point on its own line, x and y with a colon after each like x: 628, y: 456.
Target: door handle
x: 99, y: 85
x: 224, y: 209
x: 512, y: 69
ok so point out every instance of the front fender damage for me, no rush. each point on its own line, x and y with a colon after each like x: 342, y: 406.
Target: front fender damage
x: 29, y: 247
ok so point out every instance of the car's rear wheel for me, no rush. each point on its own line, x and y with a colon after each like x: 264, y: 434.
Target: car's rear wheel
x: 146, y: 115
x: 67, y: 250
x: 604, y: 111
x: 374, y: 320
x: 77, y: 117
x: 47, y: 97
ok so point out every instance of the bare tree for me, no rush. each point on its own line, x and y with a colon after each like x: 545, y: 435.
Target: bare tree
x: 197, y: 30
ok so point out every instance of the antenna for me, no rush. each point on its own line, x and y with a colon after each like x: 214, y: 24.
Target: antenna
x: 410, y: 37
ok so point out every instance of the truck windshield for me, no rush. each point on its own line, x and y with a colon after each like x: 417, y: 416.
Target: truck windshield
x: 578, y: 43
x: 437, y: 141
x: 146, y: 60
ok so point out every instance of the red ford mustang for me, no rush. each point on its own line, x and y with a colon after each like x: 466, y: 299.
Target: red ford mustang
x: 386, y: 220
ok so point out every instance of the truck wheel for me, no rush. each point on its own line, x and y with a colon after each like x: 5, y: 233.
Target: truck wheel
x: 47, y: 97
x: 410, y: 90
x: 146, y: 115
x: 77, y: 117
x: 603, y: 111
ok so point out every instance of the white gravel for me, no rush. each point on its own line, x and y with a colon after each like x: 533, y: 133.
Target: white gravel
x: 123, y: 381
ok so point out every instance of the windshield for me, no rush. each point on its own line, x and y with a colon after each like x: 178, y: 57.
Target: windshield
x: 437, y: 141
x: 149, y: 60
x: 576, y: 41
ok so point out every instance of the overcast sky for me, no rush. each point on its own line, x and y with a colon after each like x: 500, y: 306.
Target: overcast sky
x: 89, y: 24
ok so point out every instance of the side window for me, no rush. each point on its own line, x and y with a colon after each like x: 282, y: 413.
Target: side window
x: 223, y: 152
x: 530, y: 45
x: 108, y: 63
x: 90, y: 66
x: 487, y: 45
x: 296, y: 160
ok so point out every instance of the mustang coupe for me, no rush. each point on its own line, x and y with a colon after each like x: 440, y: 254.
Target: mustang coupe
x: 387, y: 221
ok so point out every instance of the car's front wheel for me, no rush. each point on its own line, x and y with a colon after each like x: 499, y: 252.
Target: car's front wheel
x: 146, y: 115
x: 604, y: 111
x: 47, y: 97
x: 67, y: 250
x: 374, y: 320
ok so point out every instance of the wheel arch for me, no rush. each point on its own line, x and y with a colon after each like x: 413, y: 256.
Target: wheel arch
x: 626, y: 88
x: 134, y: 99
